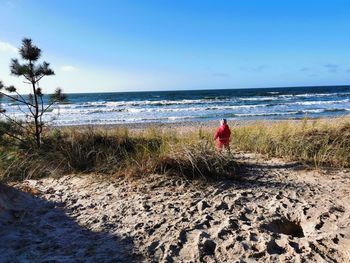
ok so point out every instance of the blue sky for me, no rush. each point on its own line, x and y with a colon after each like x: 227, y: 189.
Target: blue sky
x: 181, y: 44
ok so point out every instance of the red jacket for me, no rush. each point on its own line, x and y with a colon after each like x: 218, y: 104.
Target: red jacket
x: 223, y: 134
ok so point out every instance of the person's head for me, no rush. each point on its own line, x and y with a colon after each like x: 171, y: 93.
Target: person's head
x: 223, y: 121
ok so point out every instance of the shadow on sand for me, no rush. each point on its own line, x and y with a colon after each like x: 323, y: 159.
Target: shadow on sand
x: 250, y: 175
x: 35, y: 230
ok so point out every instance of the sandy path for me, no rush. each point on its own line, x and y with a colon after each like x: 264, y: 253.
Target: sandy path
x: 276, y: 212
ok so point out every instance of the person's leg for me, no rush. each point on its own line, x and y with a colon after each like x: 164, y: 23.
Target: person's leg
x: 219, y: 146
x: 227, y: 147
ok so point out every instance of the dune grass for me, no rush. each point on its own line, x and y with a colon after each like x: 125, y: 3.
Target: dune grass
x: 117, y: 152
x: 316, y: 142
x: 123, y: 152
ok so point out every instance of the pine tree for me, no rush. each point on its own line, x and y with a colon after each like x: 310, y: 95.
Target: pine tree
x: 33, y: 72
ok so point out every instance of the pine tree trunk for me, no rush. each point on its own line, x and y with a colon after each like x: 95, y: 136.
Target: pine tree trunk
x: 36, y: 113
x: 36, y: 117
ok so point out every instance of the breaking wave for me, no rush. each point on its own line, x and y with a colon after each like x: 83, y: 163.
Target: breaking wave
x: 177, y: 106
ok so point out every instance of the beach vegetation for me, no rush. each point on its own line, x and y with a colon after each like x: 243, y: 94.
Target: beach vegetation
x: 319, y: 142
x: 137, y: 153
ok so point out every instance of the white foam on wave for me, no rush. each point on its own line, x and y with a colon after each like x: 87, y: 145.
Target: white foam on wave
x: 92, y: 110
x: 282, y: 113
x: 305, y: 103
x: 266, y: 114
x: 71, y: 122
x: 261, y: 98
x: 145, y: 102
x: 307, y: 95
x: 203, y: 108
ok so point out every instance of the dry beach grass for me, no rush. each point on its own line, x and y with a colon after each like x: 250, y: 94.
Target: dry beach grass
x: 121, y: 151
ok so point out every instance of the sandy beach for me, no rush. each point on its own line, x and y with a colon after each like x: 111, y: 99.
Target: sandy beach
x: 174, y: 131
x: 275, y: 211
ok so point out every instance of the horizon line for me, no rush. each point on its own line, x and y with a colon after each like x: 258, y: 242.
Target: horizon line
x: 178, y: 90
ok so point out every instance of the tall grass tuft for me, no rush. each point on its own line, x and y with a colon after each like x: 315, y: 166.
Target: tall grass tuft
x: 198, y: 161
x: 317, y: 142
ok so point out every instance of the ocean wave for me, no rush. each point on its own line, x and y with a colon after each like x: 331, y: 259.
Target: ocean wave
x: 314, y: 95
x: 204, y: 108
x: 92, y: 110
x: 298, y: 112
x: 317, y: 102
x: 136, y: 103
x: 335, y: 110
x: 216, y: 98
x: 307, y: 95
x: 262, y: 98
x: 72, y: 122
x: 291, y: 96
x: 265, y: 114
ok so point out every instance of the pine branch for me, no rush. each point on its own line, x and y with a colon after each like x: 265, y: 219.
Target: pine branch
x: 25, y: 113
x: 48, y: 107
x: 15, y: 99
x: 27, y: 103
x: 12, y: 120
x: 14, y: 137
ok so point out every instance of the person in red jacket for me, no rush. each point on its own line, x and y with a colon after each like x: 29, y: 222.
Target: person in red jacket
x: 222, y: 136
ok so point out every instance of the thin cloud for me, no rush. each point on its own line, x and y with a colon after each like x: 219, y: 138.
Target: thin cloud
x: 254, y: 69
x: 332, y: 67
x: 221, y: 74
x: 10, y: 4
x: 7, y: 47
x: 304, y: 69
x: 69, y: 68
x: 258, y: 68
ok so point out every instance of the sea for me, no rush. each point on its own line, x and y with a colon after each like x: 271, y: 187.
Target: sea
x: 194, y: 105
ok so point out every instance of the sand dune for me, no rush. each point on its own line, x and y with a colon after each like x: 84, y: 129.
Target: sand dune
x: 275, y: 212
